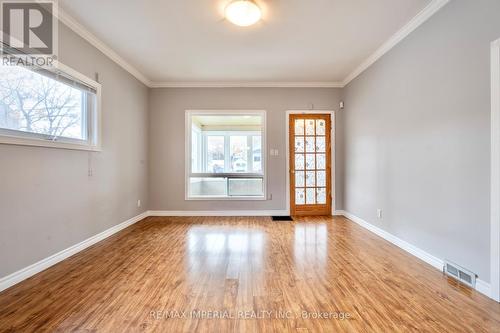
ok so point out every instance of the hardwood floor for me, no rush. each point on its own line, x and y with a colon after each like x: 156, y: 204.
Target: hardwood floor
x: 149, y: 276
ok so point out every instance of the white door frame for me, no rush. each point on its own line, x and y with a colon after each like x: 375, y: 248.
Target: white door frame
x: 332, y: 138
x: 495, y: 172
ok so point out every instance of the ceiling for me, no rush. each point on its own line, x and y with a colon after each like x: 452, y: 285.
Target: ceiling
x: 183, y: 41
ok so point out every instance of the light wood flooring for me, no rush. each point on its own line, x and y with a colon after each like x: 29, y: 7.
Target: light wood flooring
x: 179, y: 274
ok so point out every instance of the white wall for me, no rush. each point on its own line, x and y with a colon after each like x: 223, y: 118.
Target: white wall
x: 47, y: 200
x: 417, y: 136
x: 413, y: 141
x: 167, y: 112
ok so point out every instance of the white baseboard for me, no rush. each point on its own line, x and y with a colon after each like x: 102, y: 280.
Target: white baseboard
x: 43, y: 264
x: 481, y: 286
x: 218, y: 213
x: 16, y: 277
x: 23, y: 274
x: 419, y: 253
x: 484, y: 288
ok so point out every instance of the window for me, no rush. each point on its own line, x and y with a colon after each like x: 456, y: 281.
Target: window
x: 226, y: 155
x: 215, y: 154
x: 48, y: 108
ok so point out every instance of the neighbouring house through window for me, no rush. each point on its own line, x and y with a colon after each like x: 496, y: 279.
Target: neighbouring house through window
x: 226, y: 155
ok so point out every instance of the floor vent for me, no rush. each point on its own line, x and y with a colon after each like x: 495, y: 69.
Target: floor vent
x: 282, y: 218
x: 460, y: 273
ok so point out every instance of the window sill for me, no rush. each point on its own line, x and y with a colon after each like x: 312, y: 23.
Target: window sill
x: 224, y: 198
x: 35, y: 142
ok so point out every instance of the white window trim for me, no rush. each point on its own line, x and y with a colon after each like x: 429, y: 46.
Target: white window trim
x: 93, y: 142
x: 187, y: 152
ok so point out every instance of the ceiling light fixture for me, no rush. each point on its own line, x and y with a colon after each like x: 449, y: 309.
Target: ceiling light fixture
x: 243, y: 12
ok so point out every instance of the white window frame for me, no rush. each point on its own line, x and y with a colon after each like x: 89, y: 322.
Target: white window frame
x: 92, y: 126
x: 187, y: 141
x: 227, y: 147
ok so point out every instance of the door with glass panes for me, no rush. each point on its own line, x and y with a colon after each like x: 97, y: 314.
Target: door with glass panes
x: 310, y: 164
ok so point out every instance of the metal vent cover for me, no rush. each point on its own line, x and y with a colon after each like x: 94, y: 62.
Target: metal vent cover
x: 461, y: 274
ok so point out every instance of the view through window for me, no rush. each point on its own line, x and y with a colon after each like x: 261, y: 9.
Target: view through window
x: 226, y: 155
x: 42, y: 104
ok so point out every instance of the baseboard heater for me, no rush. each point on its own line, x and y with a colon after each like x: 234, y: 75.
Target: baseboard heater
x: 459, y: 273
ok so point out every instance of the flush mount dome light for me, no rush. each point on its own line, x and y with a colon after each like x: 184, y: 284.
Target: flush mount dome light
x: 243, y: 12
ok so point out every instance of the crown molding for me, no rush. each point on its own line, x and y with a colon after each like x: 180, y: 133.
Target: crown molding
x: 246, y: 84
x: 83, y: 32
x: 432, y: 8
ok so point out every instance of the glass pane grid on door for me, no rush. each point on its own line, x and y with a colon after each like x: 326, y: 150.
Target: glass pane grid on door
x: 310, y: 161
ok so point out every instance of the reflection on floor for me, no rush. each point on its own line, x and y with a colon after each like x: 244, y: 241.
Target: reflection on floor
x: 242, y: 247
x: 242, y: 274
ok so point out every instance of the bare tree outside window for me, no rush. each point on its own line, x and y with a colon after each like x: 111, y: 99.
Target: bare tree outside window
x: 35, y: 103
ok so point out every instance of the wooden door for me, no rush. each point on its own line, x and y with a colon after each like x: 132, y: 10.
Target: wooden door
x: 310, y: 164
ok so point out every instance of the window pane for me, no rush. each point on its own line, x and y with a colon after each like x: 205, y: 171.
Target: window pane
x: 320, y: 127
x: 246, y: 187
x: 215, y: 154
x: 299, y: 161
x: 195, y: 150
x: 34, y: 103
x: 238, y: 152
x: 208, y: 186
x: 300, y: 196
x: 299, y: 144
x: 310, y: 196
x: 321, y: 178
x: 226, y: 144
x: 299, y: 126
x: 320, y: 144
x: 320, y: 161
x: 310, y: 161
x: 310, y: 143
x: 257, y: 153
x: 310, y: 127
x: 321, y: 195
x: 299, y: 179
x: 310, y: 179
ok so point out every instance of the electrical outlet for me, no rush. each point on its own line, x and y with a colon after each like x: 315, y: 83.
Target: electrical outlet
x: 379, y: 213
x: 138, y: 203
x: 270, y: 196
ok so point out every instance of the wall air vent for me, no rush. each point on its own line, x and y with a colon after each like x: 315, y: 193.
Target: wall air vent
x: 461, y: 274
